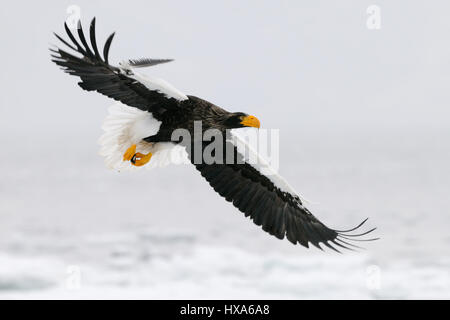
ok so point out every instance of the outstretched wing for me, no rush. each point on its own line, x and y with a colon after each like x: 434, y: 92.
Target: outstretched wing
x: 119, y: 83
x: 270, y: 202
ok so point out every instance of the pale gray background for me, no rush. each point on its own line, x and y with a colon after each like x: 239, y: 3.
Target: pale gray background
x: 364, y: 126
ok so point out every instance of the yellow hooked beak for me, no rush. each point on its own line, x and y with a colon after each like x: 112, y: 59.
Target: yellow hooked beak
x: 250, y: 121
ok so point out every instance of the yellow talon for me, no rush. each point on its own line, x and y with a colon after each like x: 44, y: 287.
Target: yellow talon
x: 136, y: 158
x: 139, y: 159
x: 128, y: 155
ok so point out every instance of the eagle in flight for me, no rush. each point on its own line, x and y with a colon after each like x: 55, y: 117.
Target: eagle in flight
x: 138, y: 133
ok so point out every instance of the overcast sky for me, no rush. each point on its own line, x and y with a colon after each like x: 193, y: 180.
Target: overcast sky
x: 294, y: 64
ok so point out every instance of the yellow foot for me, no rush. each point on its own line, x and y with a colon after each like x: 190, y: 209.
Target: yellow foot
x: 139, y: 159
x: 136, y: 158
x: 128, y: 155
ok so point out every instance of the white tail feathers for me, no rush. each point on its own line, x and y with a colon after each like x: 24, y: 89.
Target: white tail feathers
x: 125, y: 126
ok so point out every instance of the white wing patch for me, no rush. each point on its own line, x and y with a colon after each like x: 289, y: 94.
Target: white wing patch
x: 125, y: 126
x: 252, y: 157
x: 152, y: 83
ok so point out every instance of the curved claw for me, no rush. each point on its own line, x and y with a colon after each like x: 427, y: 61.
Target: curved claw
x: 139, y: 159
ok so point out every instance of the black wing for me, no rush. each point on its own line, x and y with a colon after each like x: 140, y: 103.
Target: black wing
x: 97, y: 74
x: 279, y: 213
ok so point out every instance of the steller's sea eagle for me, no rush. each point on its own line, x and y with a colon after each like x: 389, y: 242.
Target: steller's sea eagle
x: 138, y: 132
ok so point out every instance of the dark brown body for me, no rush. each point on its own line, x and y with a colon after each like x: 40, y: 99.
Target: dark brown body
x: 185, y: 116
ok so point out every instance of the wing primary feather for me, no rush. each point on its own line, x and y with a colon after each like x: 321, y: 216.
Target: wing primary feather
x: 93, y: 40
x: 107, y: 46
x: 64, y: 41
x: 322, y: 232
x: 312, y: 235
x: 75, y: 42
x: 280, y: 220
x: 331, y: 247
x: 353, y: 229
x: 146, y: 62
x: 349, y: 244
x: 291, y: 232
x: 358, y: 235
x: 70, y: 58
x: 341, y: 245
x: 360, y: 240
x: 83, y: 40
x: 301, y: 232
